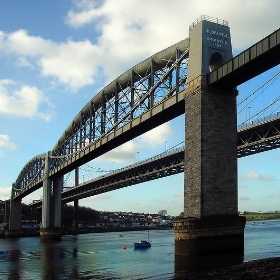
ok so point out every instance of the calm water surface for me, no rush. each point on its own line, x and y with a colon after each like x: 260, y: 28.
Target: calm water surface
x: 109, y: 256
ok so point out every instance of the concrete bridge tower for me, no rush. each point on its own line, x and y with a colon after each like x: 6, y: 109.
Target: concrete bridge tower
x: 211, y: 224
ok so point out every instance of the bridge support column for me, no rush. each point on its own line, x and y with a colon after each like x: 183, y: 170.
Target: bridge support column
x: 211, y: 226
x: 211, y: 234
x: 57, y: 190
x: 76, y: 211
x: 51, y: 207
x: 15, y: 217
x: 6, y: 212
x: 76, y: 204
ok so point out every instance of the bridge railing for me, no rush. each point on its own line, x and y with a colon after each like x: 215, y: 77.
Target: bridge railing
x: 258, y: 121
x: 168, y: 152
x: 209, y: 18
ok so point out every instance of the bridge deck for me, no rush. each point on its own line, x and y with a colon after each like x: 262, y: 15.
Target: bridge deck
x: 255, y: 60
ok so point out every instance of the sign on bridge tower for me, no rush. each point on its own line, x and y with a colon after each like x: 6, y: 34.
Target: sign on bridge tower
x: 210, y: 47
x: 211, y: 223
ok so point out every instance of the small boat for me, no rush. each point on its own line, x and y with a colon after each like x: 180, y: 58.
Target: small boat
x: 142, y: 244
x: 5, y: 253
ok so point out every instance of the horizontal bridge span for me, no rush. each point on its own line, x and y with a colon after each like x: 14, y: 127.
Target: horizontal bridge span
x: 165, y: 78
x: 161, y: 113
x: 144, y: 97
x: 255, y: 60
x: 163, y: 165
x: 260, y: 138
x: 251, y: 140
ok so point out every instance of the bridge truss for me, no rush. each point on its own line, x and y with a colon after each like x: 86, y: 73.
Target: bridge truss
x: 131, y: 95
x: 254, y: 138
x: 136, y: 95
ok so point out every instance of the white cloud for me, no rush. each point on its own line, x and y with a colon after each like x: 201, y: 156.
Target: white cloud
x: 256, y: 176
x: 6, y: 143
x: 19, y: 42
x: 157, y: 136
x: 71, y: 63
x: 5, y: 193
x: 163, y: 21
x: 243, y: 198
x: 122, y: 154
x: 127, y: 153
x: 252, y: 175
x: 126, y: 32
x: 21, y: 101
x: 130, y: 31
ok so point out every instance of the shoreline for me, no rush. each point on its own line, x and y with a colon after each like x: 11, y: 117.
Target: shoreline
x: 252, y: 270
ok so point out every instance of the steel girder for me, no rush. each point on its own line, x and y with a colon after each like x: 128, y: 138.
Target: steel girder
x: 259, y: 137
x: 256, y: 138
x: 130, y: 95
x: 163, y: 165
x: 31, y: 176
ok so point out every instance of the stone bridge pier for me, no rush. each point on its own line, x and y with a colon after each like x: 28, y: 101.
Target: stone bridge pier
x: 211, y: 229
x: 51, y: 205
x: 14, y: 217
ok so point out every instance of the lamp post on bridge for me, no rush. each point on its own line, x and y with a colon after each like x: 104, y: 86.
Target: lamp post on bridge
x: 249, y: 108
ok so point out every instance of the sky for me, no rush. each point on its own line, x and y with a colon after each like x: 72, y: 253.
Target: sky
x: 56, y: 55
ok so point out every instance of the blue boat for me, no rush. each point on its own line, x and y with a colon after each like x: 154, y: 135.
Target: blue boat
x: 142, y: 244
x: 4, y: 253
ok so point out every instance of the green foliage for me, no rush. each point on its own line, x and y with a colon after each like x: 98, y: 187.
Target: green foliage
x: 84, y: 213
x: 252, y: 216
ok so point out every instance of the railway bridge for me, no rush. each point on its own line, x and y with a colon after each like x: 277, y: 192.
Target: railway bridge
x: 196, y: 77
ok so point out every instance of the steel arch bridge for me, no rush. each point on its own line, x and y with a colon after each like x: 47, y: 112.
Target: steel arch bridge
x: 154, y: 88
x: 119, y: 110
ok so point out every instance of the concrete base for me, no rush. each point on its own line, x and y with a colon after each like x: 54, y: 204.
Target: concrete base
x: 50, y: 233
x: 211, y: 242
x: 13, y: 233
x: 215, y: 234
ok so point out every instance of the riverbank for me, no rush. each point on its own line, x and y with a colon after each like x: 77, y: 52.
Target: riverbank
x: 261, y: 216
x: 258, y: 269
x: 93, y: 230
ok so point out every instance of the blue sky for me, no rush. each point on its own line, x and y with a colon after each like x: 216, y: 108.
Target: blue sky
x: 56, y: 55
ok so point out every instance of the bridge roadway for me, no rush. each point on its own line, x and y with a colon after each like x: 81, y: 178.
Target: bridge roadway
x: 253, y: 61
x: 256, y: 137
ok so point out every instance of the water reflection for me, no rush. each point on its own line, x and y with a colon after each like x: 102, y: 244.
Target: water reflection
x: 14, y: 265
x: 101, y: 256
x: 185, y: 264
x: 51, y: 261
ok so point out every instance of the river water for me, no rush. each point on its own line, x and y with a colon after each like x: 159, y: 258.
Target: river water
x: 110, y: 256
